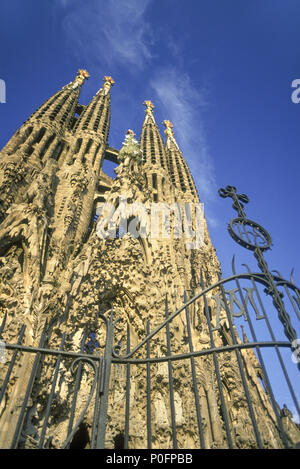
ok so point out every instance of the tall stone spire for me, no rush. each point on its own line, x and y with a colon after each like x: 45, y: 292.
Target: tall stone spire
x: 96, y: 116
x: 96, y: 350
x: 92, y: 127
x: 151, y: 141
x: 53, y: 116
x: 60, y: 109
x: 154, y: 156
x: 180, y: 174
x: 37, y: 140
x: 79, y: 174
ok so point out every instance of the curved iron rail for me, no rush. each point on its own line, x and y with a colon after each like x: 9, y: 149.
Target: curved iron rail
x: 259, y: 277
x: 74, y: 430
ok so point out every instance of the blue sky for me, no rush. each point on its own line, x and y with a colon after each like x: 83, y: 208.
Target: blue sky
x: 221, y: 71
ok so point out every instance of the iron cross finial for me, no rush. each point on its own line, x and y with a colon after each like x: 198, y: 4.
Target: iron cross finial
x: 230, y: 191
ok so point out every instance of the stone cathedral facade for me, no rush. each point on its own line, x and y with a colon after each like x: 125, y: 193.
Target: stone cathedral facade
x: 59, y: 265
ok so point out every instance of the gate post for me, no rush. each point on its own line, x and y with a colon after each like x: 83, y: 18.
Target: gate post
x: 100, y: 443
x: 252, y: 236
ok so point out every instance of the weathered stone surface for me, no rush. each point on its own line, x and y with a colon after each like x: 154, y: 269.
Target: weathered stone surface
x: 54, y: 267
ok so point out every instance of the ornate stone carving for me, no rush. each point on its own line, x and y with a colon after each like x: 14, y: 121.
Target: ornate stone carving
x: 54, y: 266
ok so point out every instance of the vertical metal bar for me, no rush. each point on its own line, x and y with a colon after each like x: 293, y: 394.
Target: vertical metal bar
x: 217, y: 369
x: 295, y: 400
x: 172, y: 404
x: 127, y: 404
x: 195, y: 315
x: 99, y: 390
x: 240, y: 365
x: 3, y: 324
x: 283, y: 315
x: 209, y: 416
x: 195, y: 385
x: 292, y: 301
x: 266, y: 377
x: 77, y: 386
x: 149, y: 429
x: 50, y: 398
x: 11, y: 364
x: 100, y: 444
x: 34, y: 370
x: 297, y: 300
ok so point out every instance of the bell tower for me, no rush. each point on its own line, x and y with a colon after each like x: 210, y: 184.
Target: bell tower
x: 180, y: 174
x: 78, y: 177
x: 40, y: 137
x: 118, y: 326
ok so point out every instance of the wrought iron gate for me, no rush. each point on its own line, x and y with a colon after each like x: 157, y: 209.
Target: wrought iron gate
x: 269, y: 344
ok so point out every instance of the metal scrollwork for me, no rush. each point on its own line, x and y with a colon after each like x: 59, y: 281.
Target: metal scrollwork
x: 245, y: 232
x: 277, y: 297
x: 249, y: 234
x: 93, y: 365
x: 230, y: 191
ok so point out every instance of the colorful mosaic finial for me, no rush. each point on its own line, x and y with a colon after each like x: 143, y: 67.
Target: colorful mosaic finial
x: 168, y: 124
x: 108, y: 82
x: 149, y: 107
x: 169, y: 133
x: 169, y: 128
x: 130, y: 132
x: 81, y: 76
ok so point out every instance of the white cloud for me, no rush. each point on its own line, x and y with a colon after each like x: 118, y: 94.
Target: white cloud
x: 110, y: 31
x: 296, y: 417
x: 184, y: 106
x: 116, y: 32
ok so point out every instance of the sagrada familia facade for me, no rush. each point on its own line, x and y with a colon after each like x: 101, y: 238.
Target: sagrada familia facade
x: 60, y: 269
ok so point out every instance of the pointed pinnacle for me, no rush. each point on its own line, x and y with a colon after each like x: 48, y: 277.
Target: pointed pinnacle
x: 81, y: 76
x: 149, y: 107
x: 169, y: 133
x: 108, y: 83
x: 169, y: 128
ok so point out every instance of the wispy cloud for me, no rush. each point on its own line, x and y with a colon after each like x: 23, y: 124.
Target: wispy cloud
x: 117, y: 32
x: 108, y: 32
x: 296, y: 417
x: 184, y: 106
